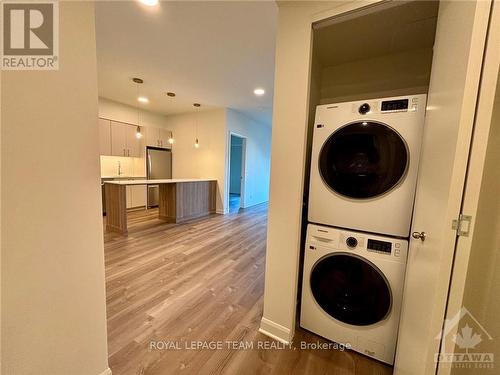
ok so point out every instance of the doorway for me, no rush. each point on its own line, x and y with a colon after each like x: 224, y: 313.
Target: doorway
x: 236, y: 172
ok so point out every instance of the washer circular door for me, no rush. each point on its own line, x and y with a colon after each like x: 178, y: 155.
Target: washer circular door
x: 351, y: 289
x: 363, y: 160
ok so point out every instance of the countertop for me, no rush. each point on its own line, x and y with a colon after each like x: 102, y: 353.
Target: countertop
x: 123, y: 177
x: 156, y: 182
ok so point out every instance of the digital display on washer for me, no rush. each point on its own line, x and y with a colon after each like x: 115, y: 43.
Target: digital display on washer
x: 395, y: 105
x: 381, y: 246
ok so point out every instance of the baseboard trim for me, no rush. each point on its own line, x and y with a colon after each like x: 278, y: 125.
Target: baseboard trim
x: 255, y: 204
x: 275, y: 331
x: 106, y: 372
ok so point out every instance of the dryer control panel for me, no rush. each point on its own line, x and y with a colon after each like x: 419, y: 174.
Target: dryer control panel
x: 380, y: 246
x: 394, y: 105
x: 382, y: 106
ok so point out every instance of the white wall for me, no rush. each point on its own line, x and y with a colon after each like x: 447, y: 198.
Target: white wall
x: 53, y: 293
x: 208, y: 161
x: 122, y: 112
x: 130, y: 167
x: 257, y: 157
x: 287, y: 171
x: 288, y: 154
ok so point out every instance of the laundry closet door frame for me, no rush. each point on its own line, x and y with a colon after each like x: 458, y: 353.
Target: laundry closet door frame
x: 433, y: 259
x: 482, y: 124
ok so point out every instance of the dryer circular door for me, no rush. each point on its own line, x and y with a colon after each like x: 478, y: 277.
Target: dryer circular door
x: 363, y: 160
x: 351, y: 289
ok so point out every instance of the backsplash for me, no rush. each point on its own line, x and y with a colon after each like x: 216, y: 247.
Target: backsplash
x: 128, y: 167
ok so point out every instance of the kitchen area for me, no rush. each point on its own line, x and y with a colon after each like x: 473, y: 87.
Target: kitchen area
x: 136, y: 174
x: 131, y: 152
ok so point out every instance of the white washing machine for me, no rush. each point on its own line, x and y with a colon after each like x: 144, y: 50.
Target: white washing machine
x: 364, y: 164
x: 352, y: 289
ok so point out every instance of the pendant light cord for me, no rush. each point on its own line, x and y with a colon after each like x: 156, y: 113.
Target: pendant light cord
x: 137, y: 84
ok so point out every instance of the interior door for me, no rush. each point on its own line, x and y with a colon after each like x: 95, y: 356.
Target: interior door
x: 456, y: 68
x: 476, y: 261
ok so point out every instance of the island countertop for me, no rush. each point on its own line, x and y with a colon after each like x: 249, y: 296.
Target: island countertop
x: 158, y: 181
x: 179, y: 200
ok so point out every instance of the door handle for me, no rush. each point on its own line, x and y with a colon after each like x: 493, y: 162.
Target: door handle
x: 419, y: 236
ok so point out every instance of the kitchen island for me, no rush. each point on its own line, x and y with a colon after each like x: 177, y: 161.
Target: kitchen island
x: 179, y: 200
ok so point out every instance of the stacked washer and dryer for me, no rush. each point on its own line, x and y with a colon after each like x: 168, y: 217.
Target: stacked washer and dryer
x: 363, y: 176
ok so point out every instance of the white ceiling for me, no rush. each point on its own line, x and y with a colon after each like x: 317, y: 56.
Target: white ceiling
x: 214, y: 53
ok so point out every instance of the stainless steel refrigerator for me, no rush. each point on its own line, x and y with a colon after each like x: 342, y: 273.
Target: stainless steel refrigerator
x: 158, y: 166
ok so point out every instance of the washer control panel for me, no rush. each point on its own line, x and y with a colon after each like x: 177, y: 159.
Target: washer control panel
x: 356, y: 242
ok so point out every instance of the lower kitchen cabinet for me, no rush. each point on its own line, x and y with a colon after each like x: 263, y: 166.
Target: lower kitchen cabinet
x: 136, y: 196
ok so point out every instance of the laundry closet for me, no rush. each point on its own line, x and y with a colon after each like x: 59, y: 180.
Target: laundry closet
x: 373, y: 119
x: 369, y: 80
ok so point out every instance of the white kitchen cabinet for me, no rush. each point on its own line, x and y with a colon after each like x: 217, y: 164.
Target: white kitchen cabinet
x: 124, y: 141
x: 157, y: 137
x: 104, y: 137
x: 133, y: 144
x: 118, y: 139
x: 136, y: 196
x: 152, y: 137
x: 164, y: 136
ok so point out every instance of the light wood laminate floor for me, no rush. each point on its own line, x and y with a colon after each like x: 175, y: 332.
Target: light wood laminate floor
x: 201, y: 280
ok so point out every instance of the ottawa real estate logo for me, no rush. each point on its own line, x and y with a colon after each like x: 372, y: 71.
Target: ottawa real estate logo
x: 463, y: 343
x: 30, y: 35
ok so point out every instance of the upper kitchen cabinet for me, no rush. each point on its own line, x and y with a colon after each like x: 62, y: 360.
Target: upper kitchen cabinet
x: 164, y: 137
x: 157, y: 137
x: 118, y: 139
x: 124, y: 141
x: 134, y: 144
x: 104, y: 136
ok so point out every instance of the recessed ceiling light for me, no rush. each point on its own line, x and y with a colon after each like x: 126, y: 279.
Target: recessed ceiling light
x: 259, y: 91
x: 171, y: 94
x: 149, y: 3
x: 143, y: 99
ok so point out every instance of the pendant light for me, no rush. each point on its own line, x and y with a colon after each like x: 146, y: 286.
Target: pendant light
x: 171, y: 135
x: 196, y: 142
x: 138, y: 81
